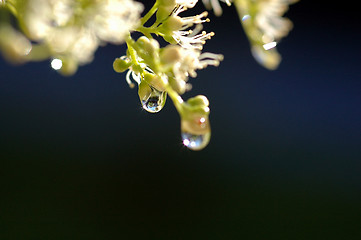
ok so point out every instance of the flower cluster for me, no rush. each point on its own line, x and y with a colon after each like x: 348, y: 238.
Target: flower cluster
x: 68, y: 32
x: 161, y: 71
x: 72, y: 30
x: 264, y: 25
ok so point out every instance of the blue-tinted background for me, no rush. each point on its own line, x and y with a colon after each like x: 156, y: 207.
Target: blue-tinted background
x: 80, y: 159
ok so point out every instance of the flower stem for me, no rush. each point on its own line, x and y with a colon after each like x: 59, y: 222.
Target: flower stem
x: 177, y: 100
x: 149, y: 14
x: 132, y: 52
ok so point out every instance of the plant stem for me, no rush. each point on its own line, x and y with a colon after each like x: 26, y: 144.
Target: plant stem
x: 177, y: 100
x: 149, y: 14
x: 132, y: 52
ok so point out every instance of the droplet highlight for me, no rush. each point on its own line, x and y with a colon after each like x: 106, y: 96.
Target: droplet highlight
x: 56, y: 64
x: 245, y: 17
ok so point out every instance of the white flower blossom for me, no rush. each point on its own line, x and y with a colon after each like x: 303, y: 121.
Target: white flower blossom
x: 185, y: 62
x: 265, y: 27
x: 75, y: 30
x: 189, y: 38
x: 192, y: 38
x: 270, y: 21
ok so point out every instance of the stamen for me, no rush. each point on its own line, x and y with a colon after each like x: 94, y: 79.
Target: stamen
x: 129, y: 81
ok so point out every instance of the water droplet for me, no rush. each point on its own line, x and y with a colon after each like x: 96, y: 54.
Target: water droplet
x: 196, y: 132
x: 155, y: 101
x: 245, y: 17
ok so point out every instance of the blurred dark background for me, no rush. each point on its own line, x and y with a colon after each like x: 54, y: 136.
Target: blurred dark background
x: 80, y: 159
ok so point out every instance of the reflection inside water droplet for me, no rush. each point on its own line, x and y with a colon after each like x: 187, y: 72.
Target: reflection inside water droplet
x: 195, y: 142
x: 155, y: 101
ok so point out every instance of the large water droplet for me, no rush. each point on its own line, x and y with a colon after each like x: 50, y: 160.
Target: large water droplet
x: 154, y: 102
x: 194, y: 141
x: 196, y: 132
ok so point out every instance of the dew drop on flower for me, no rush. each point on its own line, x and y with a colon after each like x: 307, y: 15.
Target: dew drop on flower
x: 195, y: 133
x: 155, y: 101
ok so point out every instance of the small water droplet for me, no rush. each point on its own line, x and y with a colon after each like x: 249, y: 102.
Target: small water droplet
x: 195, y: 142
x: 245, y: 17
x: 155, y: 101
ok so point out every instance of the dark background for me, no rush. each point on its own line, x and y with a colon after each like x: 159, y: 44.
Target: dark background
x: 80, y: 159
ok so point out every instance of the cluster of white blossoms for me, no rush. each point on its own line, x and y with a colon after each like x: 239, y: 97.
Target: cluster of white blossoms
x: 161, y: 71
x: 270, y: 21
x: 68, y: 32
x: 263, y: 23
x: 72, y: 30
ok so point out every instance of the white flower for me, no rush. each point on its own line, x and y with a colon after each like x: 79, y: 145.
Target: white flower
x: 75, y: 30
x: 270, y: 21
x: 185, y: 62
x: 192, y: 38
x: 214, y: 4
x: 264, y: 25
x: 72, y: 42
x: 114, y: 19
x: 181, y: 32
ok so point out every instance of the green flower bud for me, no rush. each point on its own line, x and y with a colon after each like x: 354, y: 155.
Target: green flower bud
x: 167, y: 3
x: 199, y: 101
x: 173, y: 23
x: 164, y: 12
x: 170, y: 54
x: 120, y: 65
x: 149, y: 47
x: 69, y: 66
x: 179, y: 86
x: 143, y: 40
